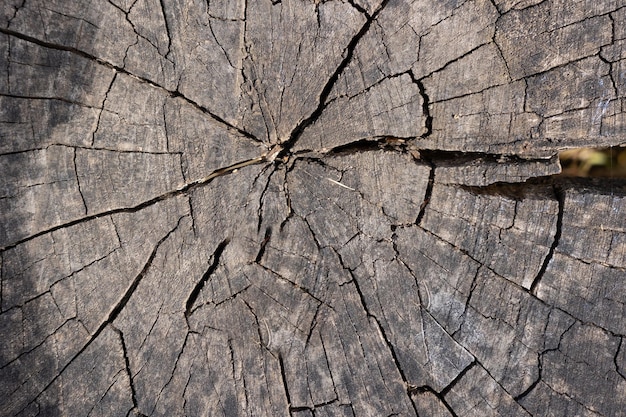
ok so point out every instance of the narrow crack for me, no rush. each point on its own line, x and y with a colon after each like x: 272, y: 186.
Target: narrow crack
x: 540, y: 356
x: 80, y: 191
x: 429, y: 189
x: 264, y: 242
x: 61, y: 99
x: 167, y: 30
x: 121, y: 70
x: 104, y: 100
x: 428, y: 123
x: 617, y: 367
x: 413, y: 390
x: 182, y: 190
x: 169, y: 381
x: 322, y: 103
x: 456, y: 380
x: 379, y: 326
x: 195, y: 292
x: 115, y: 311
x: 560, y: 196
x: 133, y: 391
x: 283, y: 377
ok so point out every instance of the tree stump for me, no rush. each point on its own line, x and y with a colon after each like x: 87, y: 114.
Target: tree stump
x: 310, y: 208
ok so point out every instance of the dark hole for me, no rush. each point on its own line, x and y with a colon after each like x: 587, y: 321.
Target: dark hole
x: 594, y: 162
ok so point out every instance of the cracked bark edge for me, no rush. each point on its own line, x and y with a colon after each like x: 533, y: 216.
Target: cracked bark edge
x: 114, y: 312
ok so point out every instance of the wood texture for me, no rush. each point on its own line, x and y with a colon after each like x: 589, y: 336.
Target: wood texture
x: 310, y: 208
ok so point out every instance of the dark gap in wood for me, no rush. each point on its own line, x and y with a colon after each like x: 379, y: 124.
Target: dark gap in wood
x: 428, y: 123
x: 536, y: 187
x: 362, y: 145
x: 429, y: 189
x: 266, y: 239
x: 283, y: 377
x: 560, y: 196
x: 619, y: 348
x: 458, y: 158
x: 456, y: 380
x: 380, y: 328
x: 184, y: 189
x: 133, y: 391
x: 412, y: 390
x: 532, y: 386
x: 84, y: 54
x: 359, y: 8
x: 193, y: 296
x: 113, y: 314
x: 349, y: 52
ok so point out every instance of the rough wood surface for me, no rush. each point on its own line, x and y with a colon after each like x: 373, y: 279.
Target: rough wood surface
x: 310, y: 208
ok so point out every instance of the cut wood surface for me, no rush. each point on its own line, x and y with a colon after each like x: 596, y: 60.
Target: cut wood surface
x: 310, y: 208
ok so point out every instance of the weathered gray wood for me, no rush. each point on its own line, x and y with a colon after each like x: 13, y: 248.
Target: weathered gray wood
x: 310, y: 208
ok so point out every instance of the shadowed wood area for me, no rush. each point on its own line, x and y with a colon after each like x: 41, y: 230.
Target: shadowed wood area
x: 310, y: 208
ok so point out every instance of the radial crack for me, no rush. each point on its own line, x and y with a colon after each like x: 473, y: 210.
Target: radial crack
x: 133, y: 391
x: 195, y: 292
x: 118, y: 69
x: 115, y: 311
x: 349, y: 52
x: 560, y: 195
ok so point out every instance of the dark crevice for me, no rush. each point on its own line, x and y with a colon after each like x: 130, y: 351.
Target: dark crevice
x: 80, y: 191
x: 116, y: 310
x: 428, y: 123
x: 17, y: 9
x: 456, y: 380
x: 173, y: 373
x: 106, y: 95
x: 429, y: 188
x: 170, y: 194
x: 40, y: 343
x: 264, y: 192
x: 193, y: 218
x: 349, y: 52
x: 133, y: 391
x: 362, y: 145
x: 378, y: 324
x: 167, y: 30
x: 560, y: 196
x: 62, y: 99
x: 283, y: 377
x: 207, y: 112
x: 359, y: 8
x: 413, y: 390
x: 534, y: 384
x: 447, y: 64
x: 195, y: 292
x: 175, y: 93
x: 266, y: 239
x: 617, y: 367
